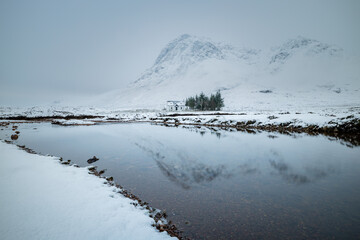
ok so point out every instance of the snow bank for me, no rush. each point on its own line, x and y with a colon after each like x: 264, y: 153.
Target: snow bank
x: 72, y: 122
x: 326, y: 117
x: 322, y: 117
x: 41, y: 199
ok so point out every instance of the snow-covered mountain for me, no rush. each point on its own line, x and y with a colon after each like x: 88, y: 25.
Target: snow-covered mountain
x: 308, y: 46
x: 301, y: 72
x: 185, y: 52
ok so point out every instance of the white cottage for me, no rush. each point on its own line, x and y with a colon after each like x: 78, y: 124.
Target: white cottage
x: 175, y: 106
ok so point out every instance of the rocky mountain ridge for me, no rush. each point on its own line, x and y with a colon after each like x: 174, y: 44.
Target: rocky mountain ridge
x: 300, y: 69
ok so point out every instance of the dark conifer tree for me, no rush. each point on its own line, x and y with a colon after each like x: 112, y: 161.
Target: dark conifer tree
x: 212, y: 102
x: 203, y: 102
x: 219, y: 101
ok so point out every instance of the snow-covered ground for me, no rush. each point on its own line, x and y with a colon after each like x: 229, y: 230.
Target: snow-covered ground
x: 327, y: 117
x: 65, y: 122
x: 316, y: 116
x: 42, y: 199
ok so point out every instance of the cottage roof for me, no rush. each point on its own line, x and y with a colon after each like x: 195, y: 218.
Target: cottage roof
x: 171, y: 102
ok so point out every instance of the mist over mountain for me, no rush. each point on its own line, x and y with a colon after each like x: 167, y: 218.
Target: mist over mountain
x: 301, y: 72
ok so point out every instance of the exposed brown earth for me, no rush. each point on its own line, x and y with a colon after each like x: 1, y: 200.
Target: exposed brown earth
x: 49, y: 118
x: 199, y: 114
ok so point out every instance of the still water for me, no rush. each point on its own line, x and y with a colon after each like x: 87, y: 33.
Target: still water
x: 217, y: 184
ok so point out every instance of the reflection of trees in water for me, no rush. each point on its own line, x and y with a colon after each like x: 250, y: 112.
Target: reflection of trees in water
x: 203, y: 130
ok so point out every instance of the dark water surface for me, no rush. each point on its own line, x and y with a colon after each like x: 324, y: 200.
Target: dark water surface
x: 219, y: 184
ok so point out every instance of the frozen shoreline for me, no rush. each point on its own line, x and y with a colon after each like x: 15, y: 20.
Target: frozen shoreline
x: 42, y: 199
x: 88, y: 115
x: 343, y: 123
x: 336, y: 122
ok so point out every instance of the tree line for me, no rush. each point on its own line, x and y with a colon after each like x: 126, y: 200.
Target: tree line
x: 203, y: 102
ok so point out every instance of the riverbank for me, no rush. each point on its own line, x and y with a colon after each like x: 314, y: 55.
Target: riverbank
x: 43, y: 199
x: 340, y: 123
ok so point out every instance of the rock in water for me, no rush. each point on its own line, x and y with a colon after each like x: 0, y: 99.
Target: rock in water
x: 92, y: 160
x: 14, y: 137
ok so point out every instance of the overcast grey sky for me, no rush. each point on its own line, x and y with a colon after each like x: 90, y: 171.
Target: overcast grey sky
x: 53, y: 49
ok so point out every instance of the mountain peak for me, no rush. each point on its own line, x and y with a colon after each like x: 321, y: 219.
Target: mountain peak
x: 298, y: 70
x: 298, y: 42
x: 307, y: 45
x: 188, y: 50
x: 187, y: 47
x: 184, y: 36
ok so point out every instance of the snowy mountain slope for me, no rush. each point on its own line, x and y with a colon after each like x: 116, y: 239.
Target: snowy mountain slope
x: 185, y: 52
x: 301, y: 72
x: 310, y: 47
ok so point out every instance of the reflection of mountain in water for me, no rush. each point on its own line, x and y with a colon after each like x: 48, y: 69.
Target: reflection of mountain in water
x: 298, y: 176
x: 186, y: 173
x: 196, y: 174
x: 190, y: 167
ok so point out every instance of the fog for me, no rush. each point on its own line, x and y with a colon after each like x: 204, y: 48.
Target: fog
x: 56, y: 50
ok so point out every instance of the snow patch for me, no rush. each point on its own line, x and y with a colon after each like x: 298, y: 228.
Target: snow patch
x: 42, y: 199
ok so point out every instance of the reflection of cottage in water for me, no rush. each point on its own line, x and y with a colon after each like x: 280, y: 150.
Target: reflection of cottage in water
x: 175, y: 106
